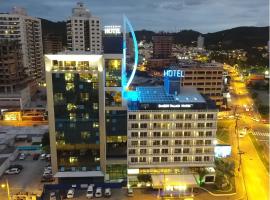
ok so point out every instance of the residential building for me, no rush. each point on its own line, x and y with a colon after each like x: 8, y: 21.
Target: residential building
x: 52, y: 43
x: 171, y: 134
x: 17, y: 25
x: 84, y: 31
x: 162, y: 46
x: 14, y: 83
x: 200, y: 42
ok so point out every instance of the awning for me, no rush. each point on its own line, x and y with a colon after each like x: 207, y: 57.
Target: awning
x: 173, y: 180
x: 78, y: 174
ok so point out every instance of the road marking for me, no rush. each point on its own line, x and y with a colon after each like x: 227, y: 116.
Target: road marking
x: 260, y: 134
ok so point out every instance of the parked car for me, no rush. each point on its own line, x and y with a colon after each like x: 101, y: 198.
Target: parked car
x: 108, y: 192
x: 47, y: 173
x: 36, y: 156
x: 48, y: 178
x: 13, y: 171
x: 70, y: 193
x: 52, y: 196
x: 90, y: 192
x: 98, y: 192
x: 22, y: 156
x: 48, y: 156
x: 43, y: 156
x: 20, y: 167
x: 130, y: 192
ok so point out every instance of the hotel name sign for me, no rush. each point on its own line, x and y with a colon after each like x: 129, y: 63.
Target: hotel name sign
x: 175, y: 105
x: 174, y: 73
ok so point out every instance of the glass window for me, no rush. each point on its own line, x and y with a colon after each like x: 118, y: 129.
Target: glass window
x: 134, y: 143
x: 179, y: 116
x: 134, y: 134
x: 157, y: 116
x: 166, y: 116
x: 131, y: 116
x: 143, y: 134
x: 155, y: 159
x: 69, y: 77
x: 133, y: 125
x: 177, y: 150
x: 143, y: 151
x: 165, y: 151
x: 177, y: 159
x: 165, y: 134
x: 156, y: 134
x: 84, y: 97
x: 165, y: 142
x: 143, y: 143
x: 186, y: 150
x: 156, y: 142
x: 70, y: 87
x: 132, y: 151
x: 142, y: 159
x: 164, y: 159
x: 178, y: 142
x: 178, y: 134
x: 156, y: 151
x: 144, y: 116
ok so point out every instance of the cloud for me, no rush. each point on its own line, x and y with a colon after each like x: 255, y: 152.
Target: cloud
x: 168, y: 15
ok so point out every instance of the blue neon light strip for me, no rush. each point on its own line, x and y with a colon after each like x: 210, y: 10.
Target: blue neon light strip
x: 136, y: 52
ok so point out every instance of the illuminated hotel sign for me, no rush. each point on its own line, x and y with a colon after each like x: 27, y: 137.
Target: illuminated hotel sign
x: 112, y: 30
x: 174, y: 73
x: 175, y: 105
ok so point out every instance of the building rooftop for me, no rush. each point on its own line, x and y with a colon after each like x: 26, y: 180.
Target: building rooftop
x: 23, y: 130
x: 156, y: 98
x: 157, y: 94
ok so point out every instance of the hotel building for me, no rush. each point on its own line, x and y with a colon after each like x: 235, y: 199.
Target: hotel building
x: 84, y: 31
x: 207, y: 78
x: 87, y: 117
x: 171, y: 134
x: 17, y: 25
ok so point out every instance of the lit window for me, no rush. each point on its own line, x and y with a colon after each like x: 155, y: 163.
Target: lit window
x: 84, y: 97
x: 95, y: 125
x: 72, y: 116
x: 70, y: 86
x: 85, y: 135
x: 71, y: 106
x: 69, y: 76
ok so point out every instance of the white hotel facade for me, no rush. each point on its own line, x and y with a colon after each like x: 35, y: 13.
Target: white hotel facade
x: 171, y: 136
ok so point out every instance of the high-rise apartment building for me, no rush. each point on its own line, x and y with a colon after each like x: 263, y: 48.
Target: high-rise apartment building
x: 162, y: 46
x: 162, y: 52
x: 171, y: 135
x: 84, y: 31
x: 14, y: 90
x: 52, y: 43
x: 200, y: 42
x: 17, y: 25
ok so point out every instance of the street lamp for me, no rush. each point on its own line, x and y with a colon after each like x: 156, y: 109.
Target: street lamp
x: 6, y: 185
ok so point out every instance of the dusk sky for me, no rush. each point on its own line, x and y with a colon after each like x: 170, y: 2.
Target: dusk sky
x: 168, y: 15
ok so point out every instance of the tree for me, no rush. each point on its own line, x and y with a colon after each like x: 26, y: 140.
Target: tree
x: 201, y: 172
x: 146, y: 178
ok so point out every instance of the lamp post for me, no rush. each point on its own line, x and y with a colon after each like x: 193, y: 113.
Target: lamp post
x: 6, y: 185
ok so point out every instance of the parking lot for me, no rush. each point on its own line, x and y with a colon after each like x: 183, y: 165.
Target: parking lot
x: 117, y: 194
x: 29, y: 179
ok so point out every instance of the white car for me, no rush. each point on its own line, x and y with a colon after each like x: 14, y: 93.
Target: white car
x: 70, y: 193
x: 130, y: 192
x: 43, y: 156
x: 47, y: 173
x: 90, y: 192
x: 52, y: 196
x: 22, y: 156
x: 98, y: 192
x: 13, y: 171
x: 107, y: 192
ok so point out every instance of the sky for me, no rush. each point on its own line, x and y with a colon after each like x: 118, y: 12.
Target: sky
x: 158, y: 15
